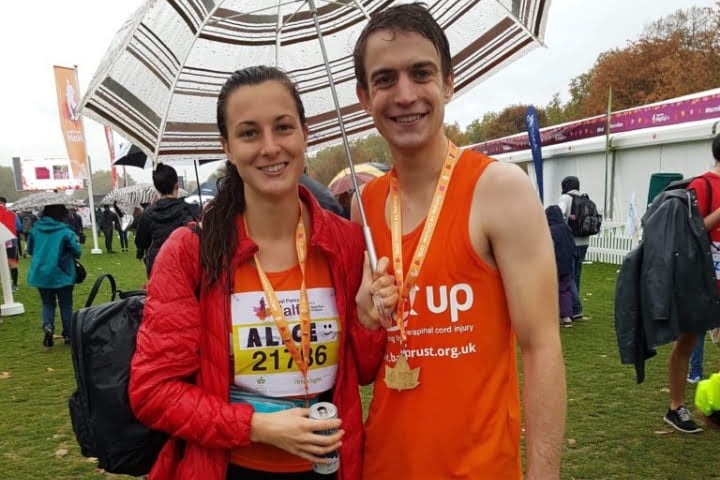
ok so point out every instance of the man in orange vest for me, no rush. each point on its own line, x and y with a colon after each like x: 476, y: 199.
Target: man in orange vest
x: 472, y: 255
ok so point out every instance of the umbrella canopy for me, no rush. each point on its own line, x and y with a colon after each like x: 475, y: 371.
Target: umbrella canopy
x: 160, y: 78
x: 134, y: 157
x: 342, y: 182
x: 37, y: 201
x: 133, y: 196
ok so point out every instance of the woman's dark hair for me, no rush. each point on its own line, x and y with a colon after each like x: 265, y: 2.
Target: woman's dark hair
x: 56, y: 212
x: 219, y: 237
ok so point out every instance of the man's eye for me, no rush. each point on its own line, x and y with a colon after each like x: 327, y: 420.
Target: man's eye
x: 382, y: 80
x: 423, y: 74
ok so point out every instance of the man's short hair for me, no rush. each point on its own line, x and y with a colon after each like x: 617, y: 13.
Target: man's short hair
x: 164, y: 178
x: 406, y: 18
x: 3, y: 200
x: 716, y: 147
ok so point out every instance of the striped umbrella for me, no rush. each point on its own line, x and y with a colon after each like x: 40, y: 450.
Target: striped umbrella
x: 159, y: 81
x: 39, y: 200
x: 161, y: 75
x: 133, y: 196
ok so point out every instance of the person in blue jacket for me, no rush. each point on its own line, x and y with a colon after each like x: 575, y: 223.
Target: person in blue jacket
x: 54, y: 248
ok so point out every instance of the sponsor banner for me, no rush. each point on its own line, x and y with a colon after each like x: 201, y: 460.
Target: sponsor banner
x: 533, y: 130
x: 68, y: 95
x: 47, y: 174
x: 669, y: 113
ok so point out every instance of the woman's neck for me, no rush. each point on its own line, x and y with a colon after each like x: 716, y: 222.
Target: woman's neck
x: 272, y: 220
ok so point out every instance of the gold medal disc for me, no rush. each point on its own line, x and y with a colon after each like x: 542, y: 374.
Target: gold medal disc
x: 401, y: 376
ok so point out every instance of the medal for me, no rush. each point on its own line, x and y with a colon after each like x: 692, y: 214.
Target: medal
x: 401, y: 376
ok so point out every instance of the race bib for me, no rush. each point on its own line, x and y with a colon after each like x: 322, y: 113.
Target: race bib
x: 262, y: 363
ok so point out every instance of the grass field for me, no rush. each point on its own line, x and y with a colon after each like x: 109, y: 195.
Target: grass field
x: 615, y: 429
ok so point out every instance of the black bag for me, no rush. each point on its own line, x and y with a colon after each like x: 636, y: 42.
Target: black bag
x: 81, y: 238
x: 584, y: 219
x: 103, y: 343
x: 80, y: 272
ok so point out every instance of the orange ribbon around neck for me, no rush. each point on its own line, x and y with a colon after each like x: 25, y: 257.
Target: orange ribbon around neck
x: 302, y: 357
x: 418, y: 259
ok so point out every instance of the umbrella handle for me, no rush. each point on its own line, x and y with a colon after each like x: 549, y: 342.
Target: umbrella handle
x: 370, y: 246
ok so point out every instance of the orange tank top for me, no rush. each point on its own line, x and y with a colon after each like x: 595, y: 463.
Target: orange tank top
x: 463, y: 420
x: 262, y: 364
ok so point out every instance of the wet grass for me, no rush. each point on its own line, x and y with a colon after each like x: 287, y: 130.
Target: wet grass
x: 615, y: 429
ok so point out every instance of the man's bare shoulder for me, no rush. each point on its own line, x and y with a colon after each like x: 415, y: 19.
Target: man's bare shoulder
x: 501, y: 182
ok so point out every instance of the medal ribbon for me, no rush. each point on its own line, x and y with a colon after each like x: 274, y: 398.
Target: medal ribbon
x: 301, y: 358
x: 424, y: 242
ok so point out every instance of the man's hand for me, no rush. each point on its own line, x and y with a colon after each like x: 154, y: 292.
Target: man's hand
x: 377, y: 297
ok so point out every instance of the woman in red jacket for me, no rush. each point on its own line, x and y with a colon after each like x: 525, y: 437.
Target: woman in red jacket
x: 279, y: 278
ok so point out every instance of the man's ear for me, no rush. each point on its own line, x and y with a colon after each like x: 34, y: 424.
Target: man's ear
x: 449, y: 87
x: 364, y: 98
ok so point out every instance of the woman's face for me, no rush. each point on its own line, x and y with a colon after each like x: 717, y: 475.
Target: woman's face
x: 265, y: 139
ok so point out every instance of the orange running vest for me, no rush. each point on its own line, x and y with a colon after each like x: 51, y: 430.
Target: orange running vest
x: 463, y: 420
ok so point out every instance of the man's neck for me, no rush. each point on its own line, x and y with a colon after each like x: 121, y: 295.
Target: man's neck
x: 420, y: 169
x: 169, y: 195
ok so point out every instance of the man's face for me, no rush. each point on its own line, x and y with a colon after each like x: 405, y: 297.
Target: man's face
x: 406, y: 92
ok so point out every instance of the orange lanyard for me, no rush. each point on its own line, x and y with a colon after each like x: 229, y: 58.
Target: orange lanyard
x: 422, y: 247
x: 301, y: 358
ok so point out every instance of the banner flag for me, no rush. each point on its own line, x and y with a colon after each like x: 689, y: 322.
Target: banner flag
x: 533, y: 129
x: 111, y: 147
x: 71, y: 125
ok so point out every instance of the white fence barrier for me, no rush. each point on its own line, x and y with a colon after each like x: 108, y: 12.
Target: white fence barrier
x: 611, y: 244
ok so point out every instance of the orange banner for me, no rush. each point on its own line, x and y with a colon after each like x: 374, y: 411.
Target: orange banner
x: 68, y: 94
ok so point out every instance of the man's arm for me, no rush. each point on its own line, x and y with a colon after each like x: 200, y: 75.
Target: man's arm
x: 513, y: 222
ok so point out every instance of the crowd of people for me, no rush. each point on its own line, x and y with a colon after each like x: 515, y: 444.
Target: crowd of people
x: 276, y: 270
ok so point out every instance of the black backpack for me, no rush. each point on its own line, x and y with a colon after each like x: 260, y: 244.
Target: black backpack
x: 584, y: 219
x: 103, y: 343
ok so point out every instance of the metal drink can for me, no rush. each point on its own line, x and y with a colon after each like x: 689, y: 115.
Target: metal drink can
x: 325, y: 411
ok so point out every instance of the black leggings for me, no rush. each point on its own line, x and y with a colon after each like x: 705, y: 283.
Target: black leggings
x: 240, y: 473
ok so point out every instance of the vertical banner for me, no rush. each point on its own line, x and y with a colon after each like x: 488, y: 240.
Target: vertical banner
x: 533, y: 129
x: 111, y: 147
x: 70, y: 122
x: 606, y: 211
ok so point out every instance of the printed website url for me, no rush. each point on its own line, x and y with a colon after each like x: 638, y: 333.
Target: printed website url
x: 452, y: 352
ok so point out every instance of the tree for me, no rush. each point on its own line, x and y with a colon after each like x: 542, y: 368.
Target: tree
x: 456, y: 135
x: 7, y: 185
x: 675, y: 56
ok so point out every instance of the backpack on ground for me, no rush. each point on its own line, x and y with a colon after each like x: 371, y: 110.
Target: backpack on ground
x: 584, y: 219
x: 103, y: 344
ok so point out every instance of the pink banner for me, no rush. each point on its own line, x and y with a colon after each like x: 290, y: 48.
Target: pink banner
x: 672, y: 112
x: 111, y: 147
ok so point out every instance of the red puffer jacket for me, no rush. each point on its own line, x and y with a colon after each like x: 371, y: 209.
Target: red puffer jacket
x: 181, y: 339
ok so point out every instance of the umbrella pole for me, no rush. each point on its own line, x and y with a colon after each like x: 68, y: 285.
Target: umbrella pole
x: 197, y: 179
x: 372, y: 256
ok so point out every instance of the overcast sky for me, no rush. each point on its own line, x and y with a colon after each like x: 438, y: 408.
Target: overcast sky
x: 37, y: 35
